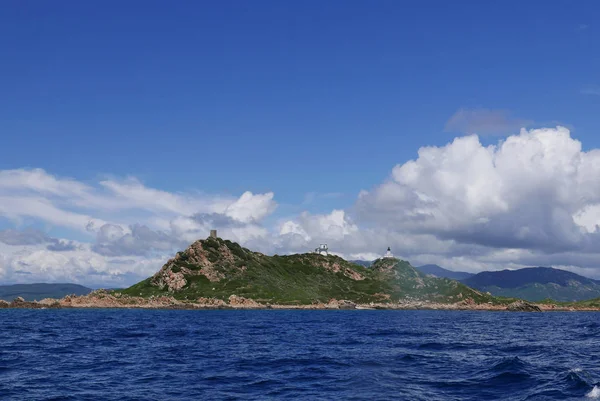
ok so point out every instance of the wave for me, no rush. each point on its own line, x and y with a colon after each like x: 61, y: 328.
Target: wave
x: 442, y: 356
x: 594, y: 393
x: 510, y: 364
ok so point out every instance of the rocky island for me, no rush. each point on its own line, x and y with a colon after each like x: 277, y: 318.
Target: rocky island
x: 220, y: 274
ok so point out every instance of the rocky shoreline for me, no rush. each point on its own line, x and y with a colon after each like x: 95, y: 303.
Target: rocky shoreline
x: 105, y: 299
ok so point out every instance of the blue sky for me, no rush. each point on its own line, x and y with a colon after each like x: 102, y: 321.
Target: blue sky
x: 313, y: 101
x: 332, y: 93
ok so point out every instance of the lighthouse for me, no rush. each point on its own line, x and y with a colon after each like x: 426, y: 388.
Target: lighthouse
x: 388, y: 254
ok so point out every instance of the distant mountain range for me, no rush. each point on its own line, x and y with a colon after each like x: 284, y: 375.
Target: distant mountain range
x: 363, y: 263
x: 438, y: 271
x: 536, y: 284
x: 531, y: 283
x: 39, y: 291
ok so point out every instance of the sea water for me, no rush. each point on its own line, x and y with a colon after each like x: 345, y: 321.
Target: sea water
x: 106, y: 354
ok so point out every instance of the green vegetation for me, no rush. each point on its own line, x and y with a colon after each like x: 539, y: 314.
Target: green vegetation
x: 216, y: 268
x: 536, y: 284
x: 407, y: 282
x: 538, y: 292
x: 590, y: 303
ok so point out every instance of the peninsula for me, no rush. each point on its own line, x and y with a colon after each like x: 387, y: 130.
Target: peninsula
x: 217, y: 273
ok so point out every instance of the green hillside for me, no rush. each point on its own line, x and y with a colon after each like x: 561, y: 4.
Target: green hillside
x: 536, y: 283
x: 217, y: 268
x: 407, y: 282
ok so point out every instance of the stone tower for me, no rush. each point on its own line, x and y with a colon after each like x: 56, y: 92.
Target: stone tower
x: 213, y: 233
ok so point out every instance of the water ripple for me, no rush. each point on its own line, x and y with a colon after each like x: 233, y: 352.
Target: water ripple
x: 330, y: 355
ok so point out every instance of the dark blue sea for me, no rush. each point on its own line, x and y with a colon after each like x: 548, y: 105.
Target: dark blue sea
x: 107, y: 354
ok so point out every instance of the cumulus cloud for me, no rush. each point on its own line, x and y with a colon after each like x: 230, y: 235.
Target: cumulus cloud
x: 35, y: 263
x: 113, y: 240
x: 61, y: 245
x: 531, y: 199
x: 251, y: 208
x: 115, y: 204
x: 68, y: 203
x: 35, y: 237
x: 119, y: 217
x: 309, y: 230
x: 344, y: 237
x: 485, y: 122
x: 536, y: 190
x: 132, y: 194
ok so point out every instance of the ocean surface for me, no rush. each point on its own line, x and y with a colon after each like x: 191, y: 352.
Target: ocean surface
x: 107, y: 354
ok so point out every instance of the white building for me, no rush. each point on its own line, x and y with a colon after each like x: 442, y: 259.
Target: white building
x: 388, y: 254
x: 322, y: 250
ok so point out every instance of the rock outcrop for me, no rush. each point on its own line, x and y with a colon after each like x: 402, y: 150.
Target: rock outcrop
x: 208, y: 258
x: 115, y: 299
x: 211, y: 302
x: 341, y: 304
x: 236, y: 301
x: 523, y: 306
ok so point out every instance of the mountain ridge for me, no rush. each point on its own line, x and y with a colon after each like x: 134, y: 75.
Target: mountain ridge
x: 439, y: 271
x: 536, y: 283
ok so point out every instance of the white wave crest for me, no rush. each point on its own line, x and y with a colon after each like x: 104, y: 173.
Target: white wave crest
x: 595, y: 393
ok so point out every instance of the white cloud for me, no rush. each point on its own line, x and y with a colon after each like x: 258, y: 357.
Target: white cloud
x: 251, y: 208
x: 293, y: 228
x: 333, y: 226
x: 126, y: 218
x: 531, y: 199
x: 17, y: 207
x: 132, y: 194
x: 68, y: 203
x: 38, y: 181
x: 364, y: 256
x: 536, y: 190
x: 35, y: 263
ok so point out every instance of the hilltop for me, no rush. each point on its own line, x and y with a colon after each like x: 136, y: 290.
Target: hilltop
x: 536, y: 283
x: 217, y: 269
